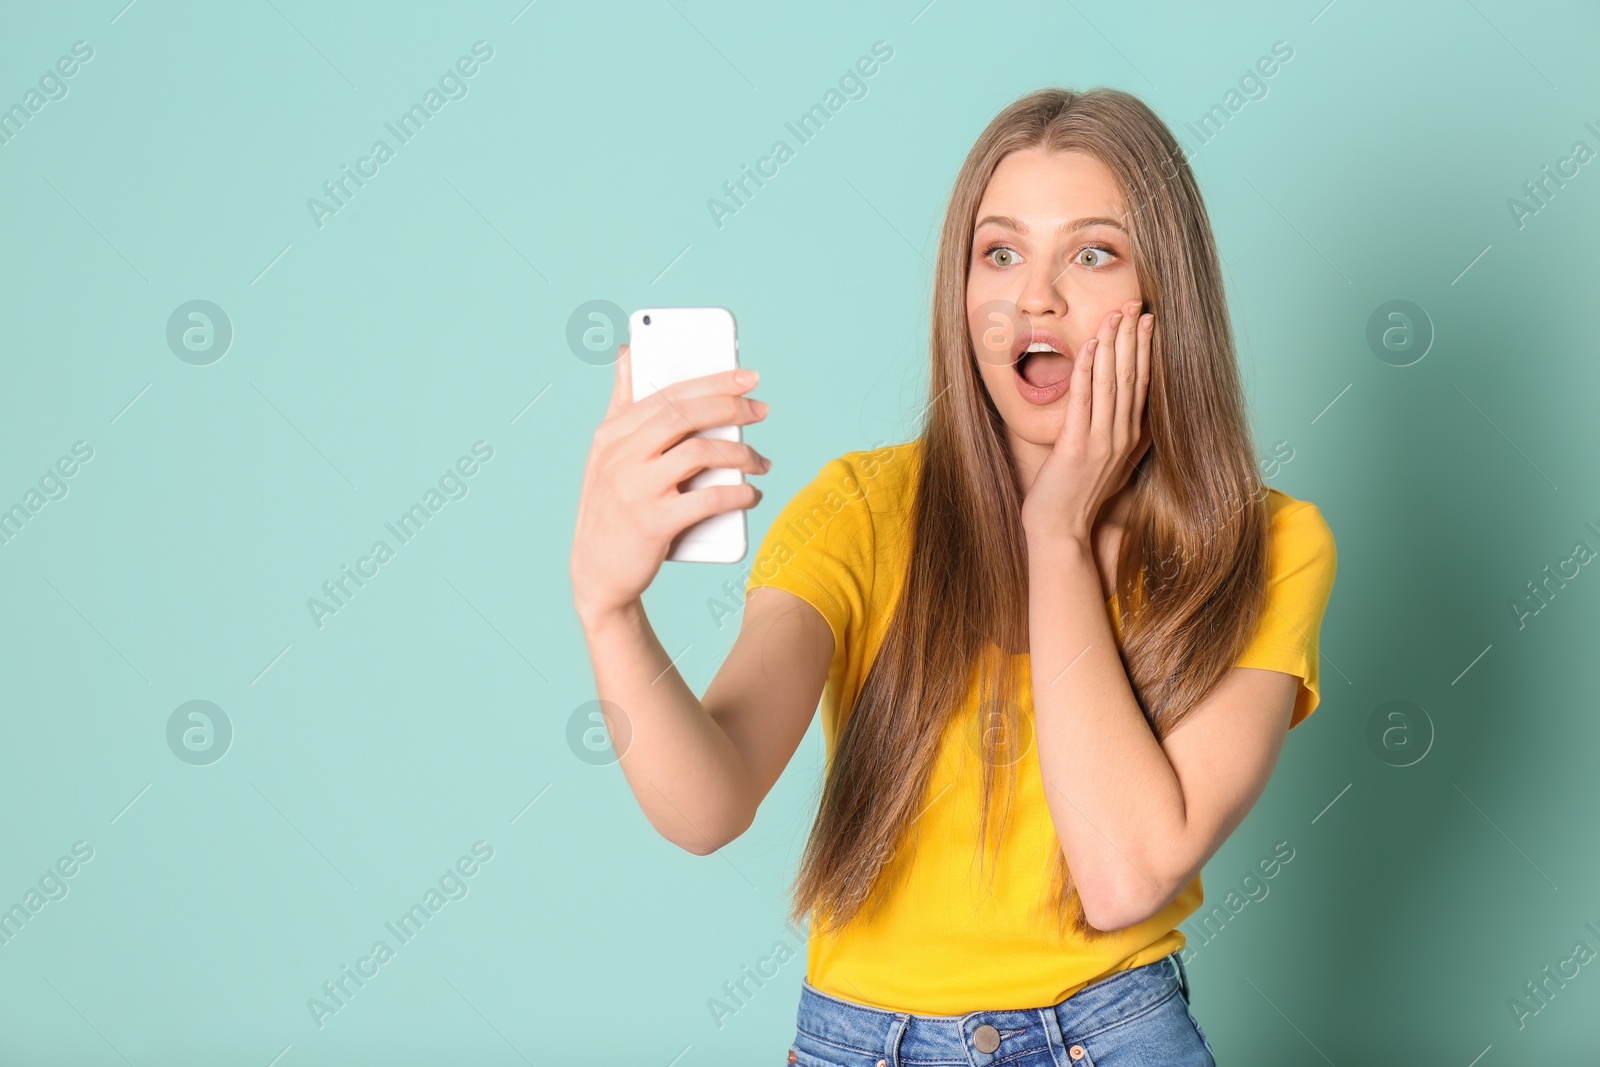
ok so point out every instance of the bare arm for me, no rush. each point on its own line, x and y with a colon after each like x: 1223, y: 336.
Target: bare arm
x: 699, y: 768
x: 1140, y: 818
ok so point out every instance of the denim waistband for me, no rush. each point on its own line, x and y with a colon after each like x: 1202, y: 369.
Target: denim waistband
x: 898, y: 1035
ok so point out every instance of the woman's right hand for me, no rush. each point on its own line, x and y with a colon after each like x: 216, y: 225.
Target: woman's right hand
x: 631, y: 505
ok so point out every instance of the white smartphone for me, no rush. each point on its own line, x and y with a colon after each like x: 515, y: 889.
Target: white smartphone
x: 667, y: 345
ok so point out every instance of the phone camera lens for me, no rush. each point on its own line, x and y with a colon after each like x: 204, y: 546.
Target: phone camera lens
x: 647, y: 320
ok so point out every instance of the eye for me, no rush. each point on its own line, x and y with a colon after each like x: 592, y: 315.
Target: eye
x: 1000, y: 255
x: 1100, y: 254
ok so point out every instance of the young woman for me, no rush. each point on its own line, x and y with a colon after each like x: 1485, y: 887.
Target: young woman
x: 1058, y: 638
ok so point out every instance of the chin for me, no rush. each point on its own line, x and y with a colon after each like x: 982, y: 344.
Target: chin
x: 1036, y: 426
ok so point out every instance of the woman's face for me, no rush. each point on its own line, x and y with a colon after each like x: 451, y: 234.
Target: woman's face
x: 1050, y: 259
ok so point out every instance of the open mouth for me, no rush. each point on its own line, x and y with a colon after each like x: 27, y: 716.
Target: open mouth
x: 1041, y: 366
x: 1042, y: 373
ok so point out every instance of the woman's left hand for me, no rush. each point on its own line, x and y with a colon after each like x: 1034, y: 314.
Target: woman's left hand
x: 1104, y: 435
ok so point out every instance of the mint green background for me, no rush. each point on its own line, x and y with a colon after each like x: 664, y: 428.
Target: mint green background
x: 431, y: 711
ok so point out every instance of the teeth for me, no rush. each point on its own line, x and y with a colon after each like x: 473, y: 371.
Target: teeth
x: 1043, y: 346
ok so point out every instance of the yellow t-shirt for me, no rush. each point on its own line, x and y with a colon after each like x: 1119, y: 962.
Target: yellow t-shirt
x: 943, y: 942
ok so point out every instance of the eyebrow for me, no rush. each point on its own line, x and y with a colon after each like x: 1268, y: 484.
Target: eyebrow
x: 1070, y: 224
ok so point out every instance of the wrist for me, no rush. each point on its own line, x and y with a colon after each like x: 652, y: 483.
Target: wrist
x: 599, y: 619
x: 1056, y: 539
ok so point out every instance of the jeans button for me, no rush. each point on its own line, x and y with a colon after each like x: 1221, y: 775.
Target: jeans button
x: 985, y: 1038
x: 1076, y: 1052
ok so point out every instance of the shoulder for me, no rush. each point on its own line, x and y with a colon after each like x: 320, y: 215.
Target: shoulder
x: 870, y: 481
x: 1297, y: 521
x: 1301, y: 560
x: 839, y: 516
x: 1300, y: 541
x: 887, y: 467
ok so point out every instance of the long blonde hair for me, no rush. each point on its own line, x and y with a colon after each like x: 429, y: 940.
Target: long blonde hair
x: 1197, y: 501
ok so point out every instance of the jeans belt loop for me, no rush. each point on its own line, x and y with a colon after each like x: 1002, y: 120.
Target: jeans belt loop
x: 1181, y: 974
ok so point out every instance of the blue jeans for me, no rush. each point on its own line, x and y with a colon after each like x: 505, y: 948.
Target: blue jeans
x: 1136, y: 1018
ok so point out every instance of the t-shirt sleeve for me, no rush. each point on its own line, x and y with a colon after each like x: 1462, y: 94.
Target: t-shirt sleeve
x: 819, y: 547
x: 1302, y: 559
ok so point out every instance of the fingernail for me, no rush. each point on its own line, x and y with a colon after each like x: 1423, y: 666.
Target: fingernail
x: 760, y: 406
x: 746, y: 377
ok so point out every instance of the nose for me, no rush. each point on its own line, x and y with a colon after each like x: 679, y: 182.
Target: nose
x: 1040, y: 293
